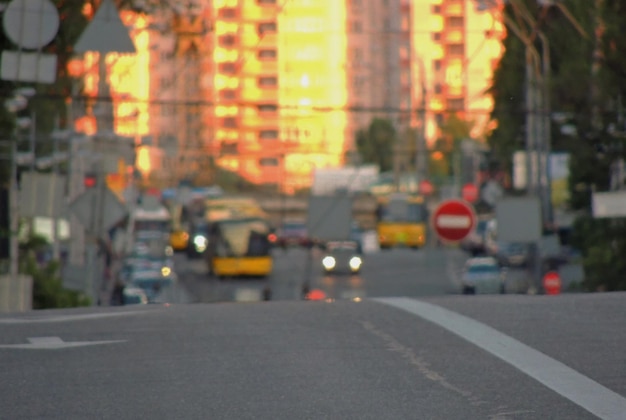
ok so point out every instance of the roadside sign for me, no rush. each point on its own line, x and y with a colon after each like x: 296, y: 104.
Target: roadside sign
x: 510, y: 211
x: 426, y: 187
x: 469, y: 193
x: 85, y: 208
x: 552, y: 283
x: 453, y: 220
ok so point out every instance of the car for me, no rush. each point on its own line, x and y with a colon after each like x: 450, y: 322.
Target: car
x: 474, y: 243
x: 342, y: 257
x: 510, y: 254
x: 134, y: 296
x: 199, y: 241
x: 153, y: 283
x: 482, y: 275
x: 292, y: 233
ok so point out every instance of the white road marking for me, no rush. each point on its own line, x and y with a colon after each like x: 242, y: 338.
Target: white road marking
x: 55, y: 343
x: 580, y: 389
x: 453, y: 222
x: 64, y: 318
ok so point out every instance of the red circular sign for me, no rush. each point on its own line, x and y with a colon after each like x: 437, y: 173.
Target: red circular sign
x: 453, y: 220
x: 426, y: 187
x: 552, y: 283
x: 469, y: 193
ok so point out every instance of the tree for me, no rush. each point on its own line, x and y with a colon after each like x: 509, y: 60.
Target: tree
x: 375, y: 144
x: 588, y: 83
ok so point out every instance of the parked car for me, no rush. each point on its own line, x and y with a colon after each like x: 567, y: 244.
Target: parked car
x: 482, y: 275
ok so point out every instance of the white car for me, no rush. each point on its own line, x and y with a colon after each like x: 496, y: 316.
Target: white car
x: 482, y: 275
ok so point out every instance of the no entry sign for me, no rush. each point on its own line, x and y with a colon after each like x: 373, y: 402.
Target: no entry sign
x: 453, y: 220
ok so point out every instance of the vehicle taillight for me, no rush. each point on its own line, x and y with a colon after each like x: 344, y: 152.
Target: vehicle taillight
x: 272, y: 237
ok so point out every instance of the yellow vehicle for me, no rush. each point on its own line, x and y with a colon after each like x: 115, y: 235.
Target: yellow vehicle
x: 227, y: 207
x: 179, y: 237
x: 239, y: 247
x: 402, y: 220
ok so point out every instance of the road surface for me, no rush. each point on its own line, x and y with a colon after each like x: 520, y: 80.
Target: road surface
x: 446, y: 357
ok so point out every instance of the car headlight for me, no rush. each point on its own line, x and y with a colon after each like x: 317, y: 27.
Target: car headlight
x: 329, y: 263
x: 200, y: 242
x: 355, y: 263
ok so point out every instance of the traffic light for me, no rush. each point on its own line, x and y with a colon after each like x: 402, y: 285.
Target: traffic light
x: 90, y: 181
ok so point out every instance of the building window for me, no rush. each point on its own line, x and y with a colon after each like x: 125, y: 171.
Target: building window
x: 268, y: 134
x: 436, y: 36
x: 266, y: 27
x: 229, y: 122
x: 227, y: 13
x: 357, y: 26
x: 438, y: 89
x: 268, y: 162
x: 267, y: 108
x: 268, y: 81
x: 455, y: 49
x: 228, y: 68
x: 227, y: 40
x: 455, y: 104
x: 455, y: 22
x: 229, y: 148
x: 266, y: 2
x: 439, y: 119
x: 266, y: 54
x: 436, y: 9
x: 437, y: 65
x: 228, y: 94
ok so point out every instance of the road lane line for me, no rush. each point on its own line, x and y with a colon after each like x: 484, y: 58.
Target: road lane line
x: 580, y: 389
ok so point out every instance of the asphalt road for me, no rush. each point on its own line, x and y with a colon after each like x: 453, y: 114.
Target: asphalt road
x: 397, y: 272
x: 484, y: 357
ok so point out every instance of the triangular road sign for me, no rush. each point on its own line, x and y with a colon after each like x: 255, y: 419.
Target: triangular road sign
x: 106, y: 33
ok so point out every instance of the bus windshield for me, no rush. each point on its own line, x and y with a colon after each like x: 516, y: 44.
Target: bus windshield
x: 402, y: 211
x: 242, y: 238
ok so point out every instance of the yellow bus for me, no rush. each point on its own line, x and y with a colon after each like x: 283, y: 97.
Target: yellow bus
x: 402, y: 220
x: 239, y: 247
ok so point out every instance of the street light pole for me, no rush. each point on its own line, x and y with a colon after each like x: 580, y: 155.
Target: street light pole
x: 14, y: 223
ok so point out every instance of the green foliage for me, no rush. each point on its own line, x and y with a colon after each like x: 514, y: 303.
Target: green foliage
x: 603, y: 243
x: 48, y: 291
x: 587, y: 83
x: 376, y: 143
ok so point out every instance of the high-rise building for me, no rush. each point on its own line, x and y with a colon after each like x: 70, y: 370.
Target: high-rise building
x: 271, y: 89
x: 455, y: 51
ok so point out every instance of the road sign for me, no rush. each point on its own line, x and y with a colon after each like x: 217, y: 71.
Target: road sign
x: 426, y: 187
x: 469, y: 193
x: 510, y: 211
x: 552, y: 283
x: 106, y: 33
x: 85, y: 207
x: 453, y: 220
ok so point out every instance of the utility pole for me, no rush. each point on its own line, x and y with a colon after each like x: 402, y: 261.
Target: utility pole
x: 421, y: 163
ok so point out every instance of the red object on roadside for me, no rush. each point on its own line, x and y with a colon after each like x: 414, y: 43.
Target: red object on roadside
x: 552, y: 283
x: 316, y: 294
x: 426, y: 187
x: 469, y: 193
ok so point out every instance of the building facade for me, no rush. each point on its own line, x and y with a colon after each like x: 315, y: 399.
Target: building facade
x: 271, y: 89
